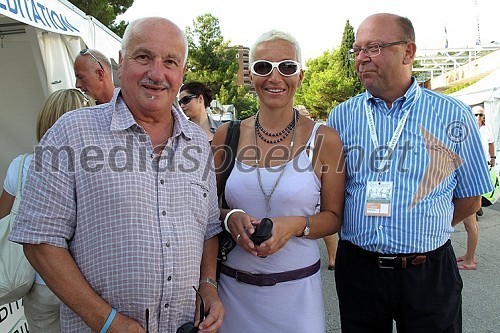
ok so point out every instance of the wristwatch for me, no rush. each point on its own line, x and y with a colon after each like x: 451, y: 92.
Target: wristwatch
x: 307, y: 229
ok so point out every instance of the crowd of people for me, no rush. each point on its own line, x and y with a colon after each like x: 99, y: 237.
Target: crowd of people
x: 123, y: 224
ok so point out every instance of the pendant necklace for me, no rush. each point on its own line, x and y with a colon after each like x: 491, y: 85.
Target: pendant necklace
x: 267, y: 197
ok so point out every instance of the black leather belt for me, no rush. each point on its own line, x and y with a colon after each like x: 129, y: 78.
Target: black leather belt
x: 269, y: 279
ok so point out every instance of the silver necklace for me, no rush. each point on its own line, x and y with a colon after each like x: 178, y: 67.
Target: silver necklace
x: 267, y: 197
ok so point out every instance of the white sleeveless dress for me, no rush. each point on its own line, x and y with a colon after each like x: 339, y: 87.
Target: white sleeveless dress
x: 287, y: 307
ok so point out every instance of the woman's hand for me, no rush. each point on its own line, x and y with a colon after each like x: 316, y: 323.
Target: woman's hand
x: 284, y: 228
x: 241, y: 226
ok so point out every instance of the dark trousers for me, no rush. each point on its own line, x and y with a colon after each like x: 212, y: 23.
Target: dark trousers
x: 424, y: 298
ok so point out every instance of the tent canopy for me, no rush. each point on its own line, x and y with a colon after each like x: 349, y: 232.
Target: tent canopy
x: 39, y: 42
x: 487, y: 92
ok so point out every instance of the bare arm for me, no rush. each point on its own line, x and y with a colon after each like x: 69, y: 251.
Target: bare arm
x: 465, y: 207
x: 6, y: 203
x: 213, y: 305
x: 491, y: 151
x: 61, y: 274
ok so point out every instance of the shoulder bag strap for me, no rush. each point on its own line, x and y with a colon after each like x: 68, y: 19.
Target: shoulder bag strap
x: 230, y: 151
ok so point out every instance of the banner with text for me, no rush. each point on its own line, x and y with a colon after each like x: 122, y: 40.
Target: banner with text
x: 50, y: 15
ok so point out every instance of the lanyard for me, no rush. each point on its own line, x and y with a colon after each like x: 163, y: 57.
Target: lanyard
x: 397, y: 133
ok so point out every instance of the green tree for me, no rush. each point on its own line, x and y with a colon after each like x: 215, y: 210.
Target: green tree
x: 106, y: 12
x: 212, y: 61
x: 330, y: 79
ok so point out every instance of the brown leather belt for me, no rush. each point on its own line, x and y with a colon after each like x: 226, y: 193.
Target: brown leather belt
x: 395, y: 261
x: 269, y: 279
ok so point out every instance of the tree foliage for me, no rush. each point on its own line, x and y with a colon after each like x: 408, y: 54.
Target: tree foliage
x: 106, y: 12
x: 329, y: 79
x: 212, y: 60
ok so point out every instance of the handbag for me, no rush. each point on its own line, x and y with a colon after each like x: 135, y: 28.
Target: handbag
x: 226, y: 241
x: 16, y: 274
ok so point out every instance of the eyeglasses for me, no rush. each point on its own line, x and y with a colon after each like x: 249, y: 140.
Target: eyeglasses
x: 479, y: 114
x: 285, y: 67
x: 87, y: 51
x: 186, y: 99
x: 372, y: 50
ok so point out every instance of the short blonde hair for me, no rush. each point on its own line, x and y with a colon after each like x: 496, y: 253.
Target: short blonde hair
x: 58, y: 103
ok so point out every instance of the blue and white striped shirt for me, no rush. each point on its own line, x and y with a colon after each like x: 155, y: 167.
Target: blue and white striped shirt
x: 437, y: 157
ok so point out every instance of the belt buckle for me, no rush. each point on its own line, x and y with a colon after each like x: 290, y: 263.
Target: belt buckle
x: 380, y: 261
x: 254, y: 279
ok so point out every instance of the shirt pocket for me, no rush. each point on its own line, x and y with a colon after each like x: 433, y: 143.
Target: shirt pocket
x: 198, y: 202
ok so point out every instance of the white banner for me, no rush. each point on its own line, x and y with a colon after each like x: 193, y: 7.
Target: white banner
x: 50, y: 15
x: 12, y: 318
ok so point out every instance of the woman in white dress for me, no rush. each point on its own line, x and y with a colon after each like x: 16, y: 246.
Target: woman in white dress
x: 285, y: 165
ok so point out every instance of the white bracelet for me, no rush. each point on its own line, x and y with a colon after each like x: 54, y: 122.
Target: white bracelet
x: 209, y: 281
x: 229, y: 214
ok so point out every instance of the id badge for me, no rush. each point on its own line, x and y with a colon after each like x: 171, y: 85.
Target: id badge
x: 378, y: 199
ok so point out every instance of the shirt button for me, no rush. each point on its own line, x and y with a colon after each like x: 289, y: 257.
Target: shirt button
x: 169, y: 278
x: 166, y: 305
x: 204, y: 195
x: 380, y: 228
x: 164, y: 213
x: 167, y: 244
x: 162, y: 181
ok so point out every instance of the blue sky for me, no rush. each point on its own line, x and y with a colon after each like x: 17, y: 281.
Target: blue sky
x: 318, y: 24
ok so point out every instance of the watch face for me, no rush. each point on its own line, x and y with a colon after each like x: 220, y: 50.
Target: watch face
x: 306, y: 231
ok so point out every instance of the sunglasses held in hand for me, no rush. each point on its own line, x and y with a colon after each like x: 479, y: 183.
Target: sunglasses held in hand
x: 189, y: 327
x: 285, y: 67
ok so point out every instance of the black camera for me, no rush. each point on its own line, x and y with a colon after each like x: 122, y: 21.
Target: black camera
x: 263, y: 231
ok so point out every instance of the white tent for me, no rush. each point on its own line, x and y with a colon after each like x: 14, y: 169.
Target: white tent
x: 39, y: 41
x: 485, y: 91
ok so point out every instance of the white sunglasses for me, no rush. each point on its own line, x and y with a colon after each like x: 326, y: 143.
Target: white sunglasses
x: 285, y: 67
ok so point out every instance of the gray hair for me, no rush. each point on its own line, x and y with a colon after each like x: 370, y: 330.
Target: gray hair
x: 276, y: 35
x: 99, y: 56
x: 131, y: 27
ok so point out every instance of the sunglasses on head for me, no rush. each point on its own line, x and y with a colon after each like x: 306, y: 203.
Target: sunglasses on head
x: 87, y: 51
x: 285, y: 67
x: 186, y: 99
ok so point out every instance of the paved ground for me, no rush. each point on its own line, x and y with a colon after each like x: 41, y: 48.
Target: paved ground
x: 481, y: 293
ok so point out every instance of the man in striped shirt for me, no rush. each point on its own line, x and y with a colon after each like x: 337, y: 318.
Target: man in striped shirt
x: 414, y: 170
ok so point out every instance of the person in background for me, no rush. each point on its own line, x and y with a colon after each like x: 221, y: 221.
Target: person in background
x: 94, y: 75
x: 121, y: 226
x: 414, y: 170
x: 41, y: 306
x: 286, y: 164
x: 303, y: 111
x: 194, y: 99
x: 330, y: 240
x: 468, y: 260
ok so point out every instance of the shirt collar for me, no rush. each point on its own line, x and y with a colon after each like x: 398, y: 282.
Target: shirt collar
x: 413, y: 92
x: 122, y: 119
